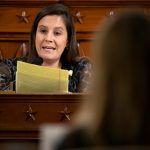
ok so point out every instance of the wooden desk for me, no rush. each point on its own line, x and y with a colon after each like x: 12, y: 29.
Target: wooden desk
x: 22, y: 114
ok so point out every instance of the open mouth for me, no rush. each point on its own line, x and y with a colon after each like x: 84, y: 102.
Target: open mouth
x: 48, y: 48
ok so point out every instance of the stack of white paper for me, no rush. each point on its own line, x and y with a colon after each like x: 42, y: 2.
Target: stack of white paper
x: 32, y: 78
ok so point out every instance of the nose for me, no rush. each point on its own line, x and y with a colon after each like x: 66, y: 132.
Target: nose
x: 49, y: 37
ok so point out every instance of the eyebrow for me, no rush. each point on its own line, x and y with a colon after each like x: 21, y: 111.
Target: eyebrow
x: 59, y: 27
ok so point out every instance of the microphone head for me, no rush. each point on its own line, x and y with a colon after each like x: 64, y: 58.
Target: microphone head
x: 37, y: 61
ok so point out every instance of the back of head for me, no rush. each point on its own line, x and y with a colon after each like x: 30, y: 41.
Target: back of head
x: 123, y: 76
x: 117, y: 113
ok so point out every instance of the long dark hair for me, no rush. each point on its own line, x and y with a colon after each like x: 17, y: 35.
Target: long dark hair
x: 71, y: 52
x: 124, y: 55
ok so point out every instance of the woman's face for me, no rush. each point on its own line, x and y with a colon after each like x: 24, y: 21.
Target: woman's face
x: 51, y: 39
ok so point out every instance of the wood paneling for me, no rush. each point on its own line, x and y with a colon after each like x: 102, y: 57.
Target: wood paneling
x: 22, y: 114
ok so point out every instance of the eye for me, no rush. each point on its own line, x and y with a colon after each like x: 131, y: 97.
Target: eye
x: 57, y: 33
x: 43, y: 30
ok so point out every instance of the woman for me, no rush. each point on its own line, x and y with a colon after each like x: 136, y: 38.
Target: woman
x: 53, y: 44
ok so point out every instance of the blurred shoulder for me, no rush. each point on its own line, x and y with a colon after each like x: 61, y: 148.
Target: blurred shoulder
x: 76, y: 138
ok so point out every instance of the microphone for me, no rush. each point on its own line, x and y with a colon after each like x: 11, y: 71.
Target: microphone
x: 37, y: 61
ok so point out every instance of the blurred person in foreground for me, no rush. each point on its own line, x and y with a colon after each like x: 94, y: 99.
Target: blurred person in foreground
x: 118, y: 113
